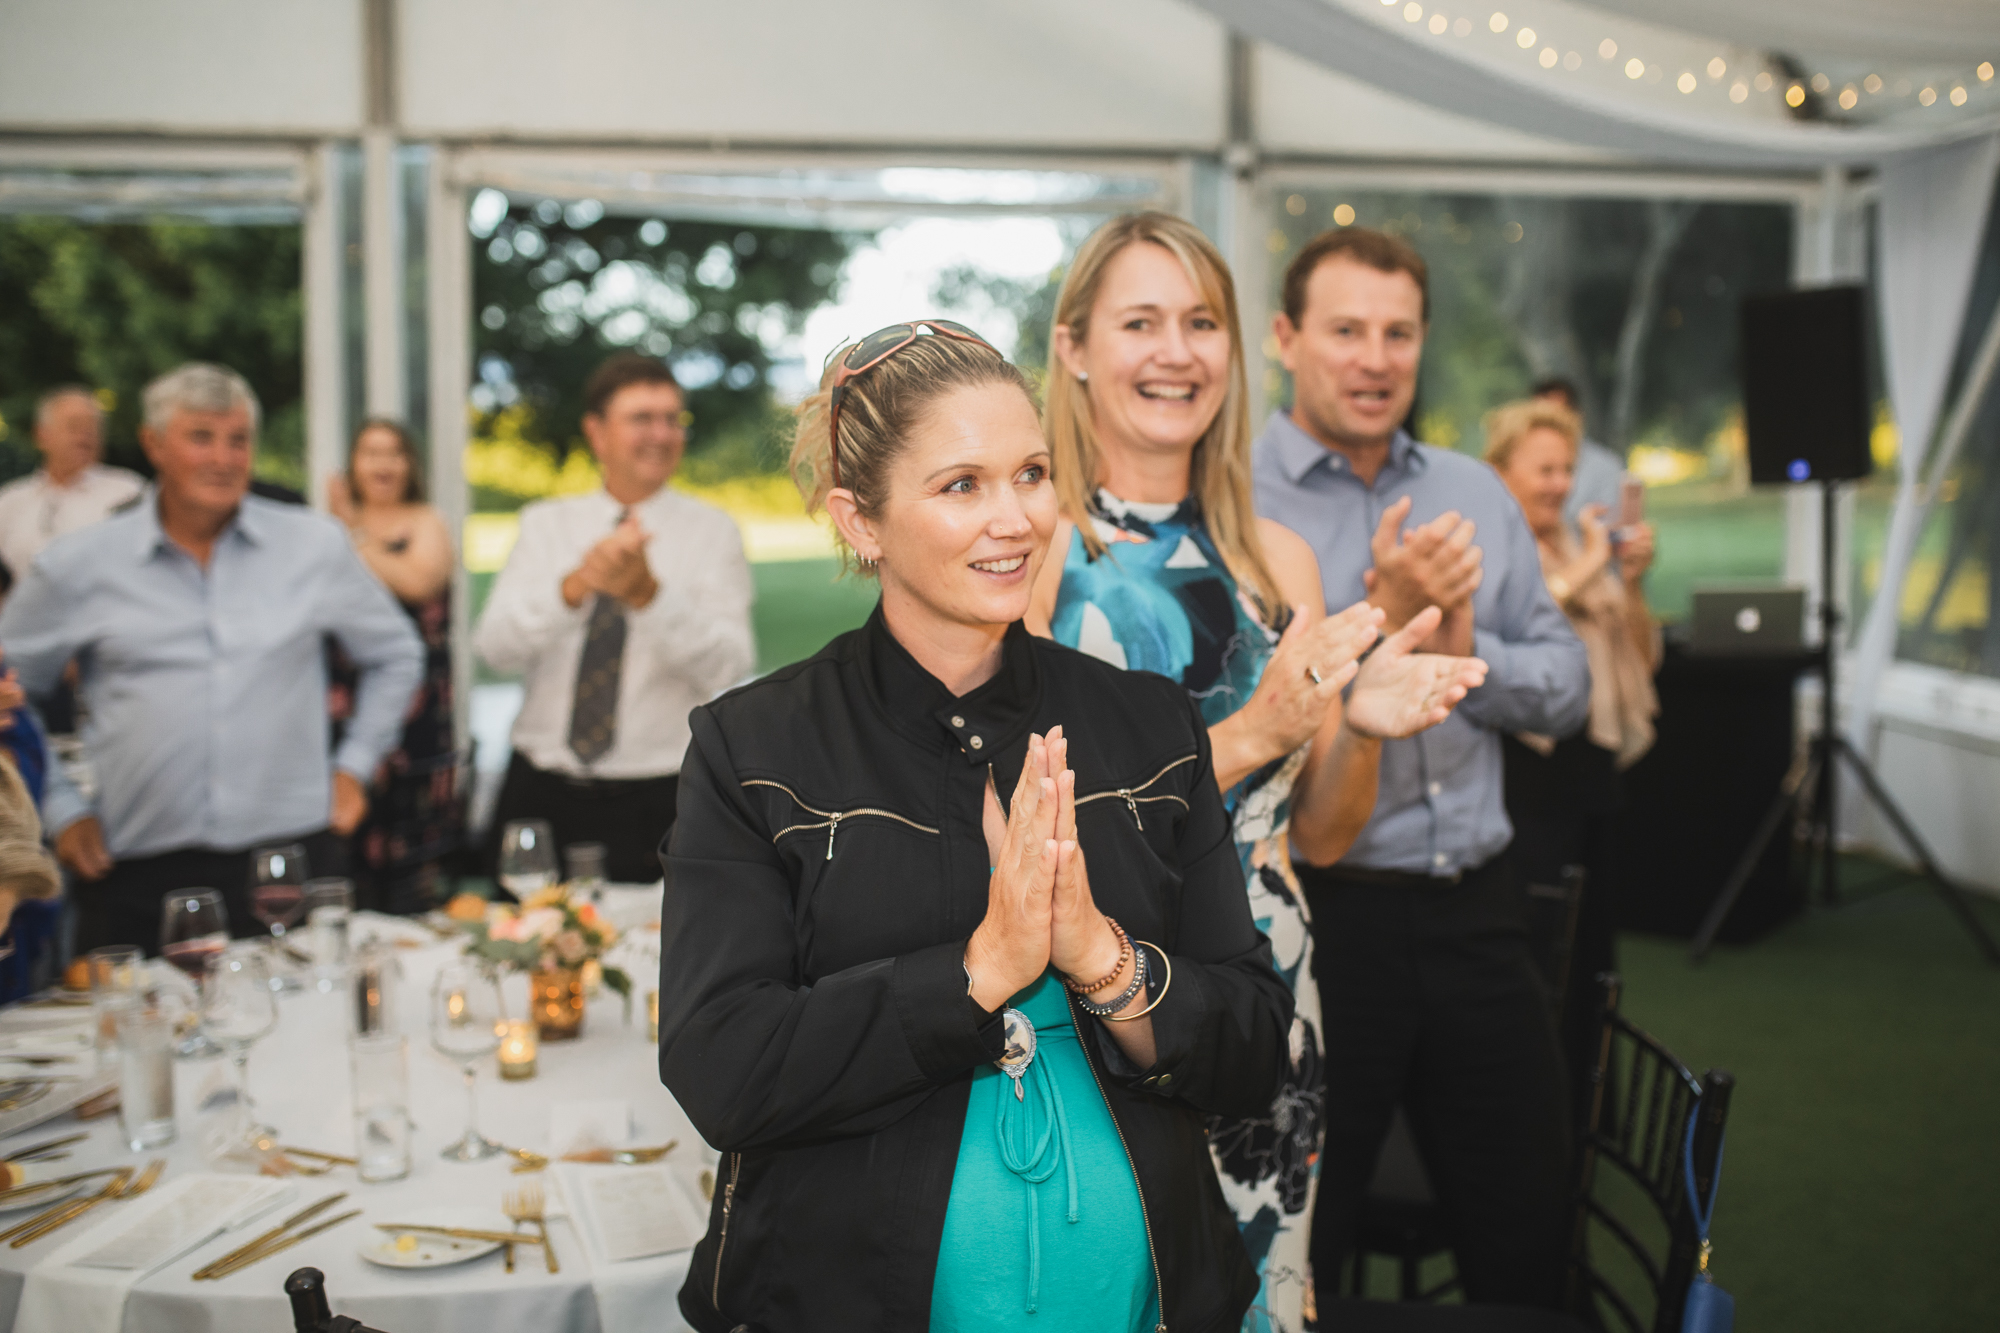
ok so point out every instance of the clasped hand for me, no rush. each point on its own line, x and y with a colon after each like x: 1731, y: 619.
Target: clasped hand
x: 615, y: 567
x: 1039, y: 910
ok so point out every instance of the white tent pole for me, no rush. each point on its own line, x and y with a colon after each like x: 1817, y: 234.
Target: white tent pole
x: 382, y: 275
x: 325, y: 378
x: 448, y: 255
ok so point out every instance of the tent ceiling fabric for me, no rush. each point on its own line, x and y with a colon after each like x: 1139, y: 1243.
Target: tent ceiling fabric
x: 1907, y: 30
x: 1367, y: 41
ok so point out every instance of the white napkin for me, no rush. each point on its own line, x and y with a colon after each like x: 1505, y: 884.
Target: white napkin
x: 630, y: 1293
x: 64, y: 1294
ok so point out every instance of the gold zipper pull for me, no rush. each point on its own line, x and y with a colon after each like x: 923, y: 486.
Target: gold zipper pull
x: 1133, y: 806
x: 832, y: 827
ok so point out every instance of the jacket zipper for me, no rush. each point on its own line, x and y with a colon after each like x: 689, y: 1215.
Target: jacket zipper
x: 722, y: 1241
x: 830, y: 819
x: 1131, y: 797
x: 1159, y: 1287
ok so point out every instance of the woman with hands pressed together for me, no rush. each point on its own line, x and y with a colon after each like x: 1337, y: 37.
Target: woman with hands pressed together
x: 958, y: 960
x: 1167, y: 568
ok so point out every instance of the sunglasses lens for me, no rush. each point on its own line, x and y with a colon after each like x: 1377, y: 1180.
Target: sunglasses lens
x: 875, y: 345
x: 959, y: 329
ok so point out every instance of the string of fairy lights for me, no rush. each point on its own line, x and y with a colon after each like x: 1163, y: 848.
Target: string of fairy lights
x: 1736, y: 83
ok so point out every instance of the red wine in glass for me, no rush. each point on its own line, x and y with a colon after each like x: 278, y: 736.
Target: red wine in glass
x: 191, y: 956
x: 278, y: 906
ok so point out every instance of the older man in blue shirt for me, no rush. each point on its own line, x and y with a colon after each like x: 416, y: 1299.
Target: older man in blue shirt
x: 1429, y: 997
x: 198, y: 617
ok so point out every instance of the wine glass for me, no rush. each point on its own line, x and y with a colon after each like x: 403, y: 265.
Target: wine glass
x: 194, y: 927
x: 527, y: 856
x: 278, y: 899
x: 238, y: 1009
x: 466, y: 1024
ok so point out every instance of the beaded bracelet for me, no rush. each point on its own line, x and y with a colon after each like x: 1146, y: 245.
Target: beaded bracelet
x: 1124, y: 956
x: 1124, y: 997
x: 1165, y: 986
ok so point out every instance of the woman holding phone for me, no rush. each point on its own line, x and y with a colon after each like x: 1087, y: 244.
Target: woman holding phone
x: 1562, y: 794
x: 958, y: 962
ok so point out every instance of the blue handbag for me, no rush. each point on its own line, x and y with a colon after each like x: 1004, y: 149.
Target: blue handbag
x: 1709, y: 1308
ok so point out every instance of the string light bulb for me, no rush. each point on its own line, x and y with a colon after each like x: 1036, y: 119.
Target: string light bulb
x: 1685, y: 82
x: 1739, y: 92
x: 1498, y: 22
x: 1795, y: 96
x: 1525, y: 39
x: 1872, y: 84
x: 1607, y: 49
x: 1927, y: 96
x: 1985, y: 71
x: 1635, y: 68
x: 1717, y: 67
x: 1848, y: 98
x: 1958, y: 95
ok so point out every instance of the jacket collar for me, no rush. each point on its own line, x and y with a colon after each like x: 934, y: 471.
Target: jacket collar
x: 980, y: 723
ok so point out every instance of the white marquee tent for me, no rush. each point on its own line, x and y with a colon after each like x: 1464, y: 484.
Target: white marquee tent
x: 776, y: 109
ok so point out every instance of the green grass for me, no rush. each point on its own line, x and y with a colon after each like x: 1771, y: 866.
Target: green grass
x: 803, y: 603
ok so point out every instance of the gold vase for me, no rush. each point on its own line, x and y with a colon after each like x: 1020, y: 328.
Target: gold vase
x: 555, y: 1003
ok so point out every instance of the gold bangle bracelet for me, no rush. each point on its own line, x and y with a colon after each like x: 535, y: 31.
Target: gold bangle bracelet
x: 1127, y: 1018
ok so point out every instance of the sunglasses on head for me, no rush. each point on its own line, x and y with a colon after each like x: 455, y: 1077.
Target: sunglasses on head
x: 871, y: 352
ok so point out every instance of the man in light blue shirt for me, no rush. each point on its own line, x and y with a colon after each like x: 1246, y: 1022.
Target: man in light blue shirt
x: 1428, y: 993
x: 198, y: 617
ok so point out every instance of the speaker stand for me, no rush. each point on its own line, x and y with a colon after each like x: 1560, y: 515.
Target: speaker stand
x: 1826, y: 751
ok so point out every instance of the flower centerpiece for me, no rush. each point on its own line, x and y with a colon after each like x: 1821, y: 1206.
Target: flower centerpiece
x: 556, y: 940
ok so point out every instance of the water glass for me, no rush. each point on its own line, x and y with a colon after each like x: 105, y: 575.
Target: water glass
x: 329, y: 906
x: 586, y: 869
x: 527, y: 857
x: 145, y: 1074
x: 381, y: 1106
x: 117, y: 980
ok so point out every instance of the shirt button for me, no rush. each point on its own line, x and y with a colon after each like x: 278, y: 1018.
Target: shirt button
x: 1437, y: 788
x: 1165, y: 1079
x: 1438, y: 860
x: 977, y: 744
x: 957, y: 721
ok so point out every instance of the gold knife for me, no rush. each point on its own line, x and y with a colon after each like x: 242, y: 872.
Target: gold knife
x: 464, y: 1233
x: 287, y: 1243
x: 303, y: 1215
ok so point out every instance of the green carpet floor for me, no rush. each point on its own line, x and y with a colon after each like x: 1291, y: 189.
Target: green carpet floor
x: 1863, y: 1160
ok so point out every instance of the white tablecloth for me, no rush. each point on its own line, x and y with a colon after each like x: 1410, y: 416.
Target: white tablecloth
x: 299, y: 1077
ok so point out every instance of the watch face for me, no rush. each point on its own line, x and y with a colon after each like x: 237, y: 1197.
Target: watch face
x: 1019, y: 1051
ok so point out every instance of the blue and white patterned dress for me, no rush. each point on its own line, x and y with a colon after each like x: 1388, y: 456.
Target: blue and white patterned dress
x: 1161, y: 599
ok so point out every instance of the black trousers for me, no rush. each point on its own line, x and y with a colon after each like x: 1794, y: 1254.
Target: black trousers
x: 1429, y: 999
x: 124, y: 906
x: 630, y: 816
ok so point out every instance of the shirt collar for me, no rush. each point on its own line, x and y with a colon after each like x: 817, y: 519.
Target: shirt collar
x: 1298, y: 453
x: 247, y: 523
x: 980, y: 723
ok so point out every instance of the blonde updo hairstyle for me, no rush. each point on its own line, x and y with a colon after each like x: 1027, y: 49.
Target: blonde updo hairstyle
x: 1219, y: 473
x: 1511, y: 423
x: 878, y: 412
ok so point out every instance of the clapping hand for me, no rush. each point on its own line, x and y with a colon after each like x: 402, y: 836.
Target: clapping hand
x: 615, y: 567
x: 1432, y: 564
x: 1400, y: 691
x: 1312, y: 664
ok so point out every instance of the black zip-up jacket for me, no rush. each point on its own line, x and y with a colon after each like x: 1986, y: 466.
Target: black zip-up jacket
x: 828, y: 866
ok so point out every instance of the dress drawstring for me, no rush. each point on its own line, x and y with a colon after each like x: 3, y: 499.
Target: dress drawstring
x: 1052, y: 1149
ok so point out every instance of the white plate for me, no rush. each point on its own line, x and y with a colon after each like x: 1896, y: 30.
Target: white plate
x: 432, y: 1251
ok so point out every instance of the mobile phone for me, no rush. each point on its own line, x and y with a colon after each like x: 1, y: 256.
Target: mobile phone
x: 1631, y: 501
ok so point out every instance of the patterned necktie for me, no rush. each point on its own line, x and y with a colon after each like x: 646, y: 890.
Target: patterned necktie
x: 593, y: 713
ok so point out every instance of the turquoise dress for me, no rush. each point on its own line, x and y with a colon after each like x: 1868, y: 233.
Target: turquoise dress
x: 1044, y: 1230
x: 1161, y: 599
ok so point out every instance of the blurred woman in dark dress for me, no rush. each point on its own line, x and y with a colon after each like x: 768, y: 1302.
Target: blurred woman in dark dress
x: 413, y: 807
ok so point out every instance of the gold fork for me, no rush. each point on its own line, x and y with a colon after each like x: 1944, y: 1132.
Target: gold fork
x: 119, y: 1175
x: 76, y: 1210
x: 526, y: 1205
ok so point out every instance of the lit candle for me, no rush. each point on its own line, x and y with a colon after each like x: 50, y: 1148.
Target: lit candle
x: 517, y: 1051
x: 652, y: 1015
x: 454, y: 1008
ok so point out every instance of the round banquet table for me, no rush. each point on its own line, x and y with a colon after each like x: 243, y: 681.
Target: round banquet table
x: 300, y: 1082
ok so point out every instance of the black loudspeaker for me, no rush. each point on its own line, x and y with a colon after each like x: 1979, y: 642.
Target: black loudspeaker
x: 1805, y: 386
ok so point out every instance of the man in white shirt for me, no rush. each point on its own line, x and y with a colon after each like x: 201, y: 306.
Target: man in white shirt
x: 623, y: 609
x: 71, y: 489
